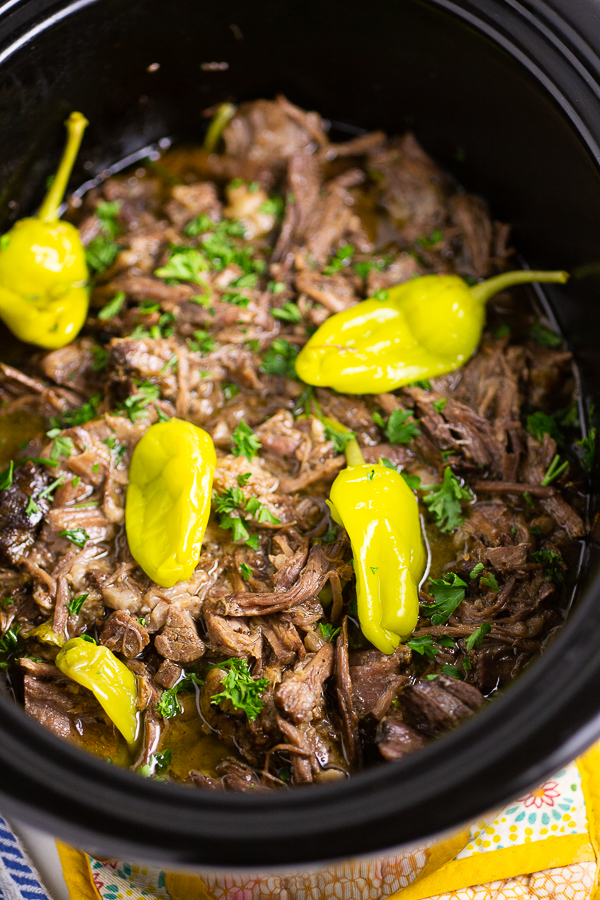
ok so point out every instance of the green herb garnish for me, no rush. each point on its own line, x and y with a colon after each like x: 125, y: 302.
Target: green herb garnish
x: 113, y: 307
x: 136, y: 405
x: 425, y: 645
x: 289, y: 312
x: 448, y: 593
x: 280, y: 358
x: 398, y: 430
x: 241, y: 688
x: 74, y: 605
x: 555, y: 470
x: 489, y: 581
x: 184, y: 264
x: 77, y: 536
x: 444, y: 501
x: 327, y: 631
x: 552, y: 563
x: 6, y: 477
x: 475, y: 639
x: 168, y: 705
x: 245, y: 443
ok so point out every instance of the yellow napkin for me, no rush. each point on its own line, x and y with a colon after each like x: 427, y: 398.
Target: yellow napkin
x: 541, y: 847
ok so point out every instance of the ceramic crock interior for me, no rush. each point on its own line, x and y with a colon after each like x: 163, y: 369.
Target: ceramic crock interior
x: 392, y: 65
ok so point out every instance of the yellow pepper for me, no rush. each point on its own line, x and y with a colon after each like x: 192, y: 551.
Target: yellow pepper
x: 113, y: 685
x: 168, y: 499
x: 381, y: 515
x: 43, y: 272
x: 425, y: 327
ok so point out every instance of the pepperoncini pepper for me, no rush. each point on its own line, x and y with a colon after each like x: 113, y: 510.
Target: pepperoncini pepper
x: 111, y: 682
x: 381, y: 515
x: 425, y: 327
x: 43, y: 272
x: 168, y: 499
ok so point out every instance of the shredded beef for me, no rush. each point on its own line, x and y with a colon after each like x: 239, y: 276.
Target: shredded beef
x: 263, y: 242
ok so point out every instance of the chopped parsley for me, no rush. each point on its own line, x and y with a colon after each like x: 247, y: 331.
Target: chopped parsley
x: 245, y: 443
x: 61, y: 446
x: 158, y: 763
x: 100, y: 358
x: 221, y: 251
x: 452, y: 671
x: 434, y: 238
x: 475, y: 639
x: 280, y: 358
x: 102, y: 249
x: 476, y: 570
x: 243, y: 479
x: 552, y: 563
x: 502, y: 331
x: 440, y: 405
x: 448, y: 593
x: 382, y: 295
x: 199, y: 225
x: 542, y: 335
x: 241, y: 688
x: 444, y: 501
x: 48, y: 491
x: 113, y: 307
x: 425, y: 645
x: 489, y: 581
x: 168, y: 705
x: 424, y: 384
x: 32, y: 508
x: 363, y: 268
x: 398, y: 430
x: 230, y: 499
x: 115, y: 447
x: 136, y: 405
x: 413, y: 481
x: 327, y: 631
x: 273, y: 206
x: 237, y: 299
x: 444, y: 640
x: 342, y: 258
x: 276, y: 287
x: 77, y: 536
x: 555, y: 470
x: 233, y: 499
x: 230, y: 390
x: 289, y: 312
x: 184, y: 264
x: 9, y: 645
x: 245, y: 571
x: 6, y: 477
x: 339, y: 439
x: 80, y: 416
x: 202, y: 342
x: 588, y: 445
x: 74, y: 605
x: 539, y: 424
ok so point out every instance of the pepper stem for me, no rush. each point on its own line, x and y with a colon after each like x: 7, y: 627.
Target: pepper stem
x: 225, y: 112
x: 492, y: 286
x: 352, y: 451
x: 75, y: 125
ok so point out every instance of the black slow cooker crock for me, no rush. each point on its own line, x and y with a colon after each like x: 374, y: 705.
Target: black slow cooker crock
x: 506, y: 95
